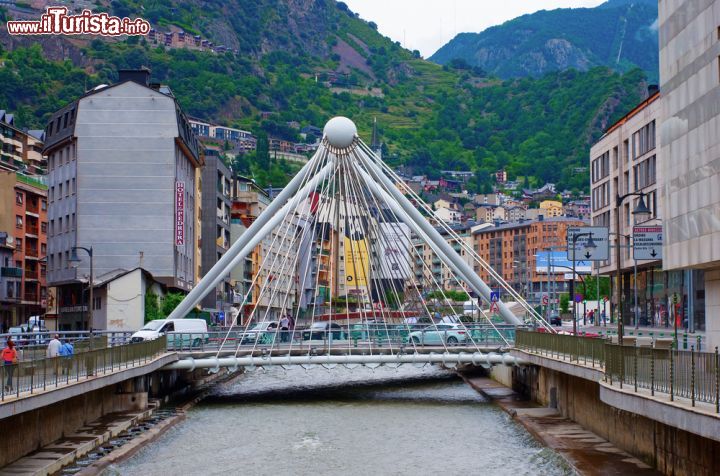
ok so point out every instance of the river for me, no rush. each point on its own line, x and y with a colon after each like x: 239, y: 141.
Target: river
x: 405, y: 421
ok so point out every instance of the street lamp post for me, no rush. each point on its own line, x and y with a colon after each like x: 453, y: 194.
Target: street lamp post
x: 75, y: 262
x: 642, y: 210
x: 589, y: 245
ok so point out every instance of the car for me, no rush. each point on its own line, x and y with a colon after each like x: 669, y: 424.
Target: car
x: 449, y: 334
x: 323, y: 331
x: 179, y: 332
x: 261, y: 332
x: 555, y: 319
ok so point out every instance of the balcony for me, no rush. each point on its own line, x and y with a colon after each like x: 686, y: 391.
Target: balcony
x: 31, y: 296
x: 11, y: 272
x: 31, y: 230
x: 31, y: 252
x: 31, y: 274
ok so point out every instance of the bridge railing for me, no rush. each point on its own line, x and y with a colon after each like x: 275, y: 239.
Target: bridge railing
x: 581, y: 349
x: 38, y: 375
x: 33, y: 345
x: 679, y: 373
x: 359, y: 335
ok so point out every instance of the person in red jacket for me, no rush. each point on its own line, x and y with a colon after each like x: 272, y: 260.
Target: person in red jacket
x: 10, y: 358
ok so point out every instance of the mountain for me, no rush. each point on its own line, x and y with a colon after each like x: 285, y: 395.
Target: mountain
x: 619, y: 34
x: 290, y: 62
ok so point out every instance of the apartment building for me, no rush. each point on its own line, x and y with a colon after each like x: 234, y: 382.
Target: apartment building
x: 689, y: 33
x: 626, y: 159
x: 20, y: 150
x: 122, y: 182
x: 512, y: 249
x: 248, y: 201
x: 215, y: 223
x: 24, y: 232
x: 429, y: 271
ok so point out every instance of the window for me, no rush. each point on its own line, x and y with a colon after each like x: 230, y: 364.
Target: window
x: 67, y: 222
x: 73, y: 185
x: 59, y: 191
x: 19, y: 244
x: 644, y: 140
x: 43, y: 205
x: 67, y: 188
x: 60, y: 226
x: 97, y: 302
x: 19, y: 198
x: 43, y: 270
x: 18, y: 221
x: 43, y: 227
x: 74, y: 226
x: 644, y: 173
x: 43, y: 249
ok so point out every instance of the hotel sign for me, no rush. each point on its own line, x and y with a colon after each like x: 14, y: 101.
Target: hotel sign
x: 179, y: 213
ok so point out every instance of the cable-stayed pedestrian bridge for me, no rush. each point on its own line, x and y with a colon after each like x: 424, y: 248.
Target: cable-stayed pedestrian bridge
x: 346, y: 246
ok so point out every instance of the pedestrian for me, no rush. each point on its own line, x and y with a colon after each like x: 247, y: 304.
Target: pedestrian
x: 603, y: 317
x: 66, y: 350
x: 53, y: 348
x: 591, y: 316
x: 284, y: 326
x: 291, y: 326
x: 10, y: 360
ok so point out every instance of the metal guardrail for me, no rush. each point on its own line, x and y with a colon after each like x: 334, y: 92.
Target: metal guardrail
x: 372, y: 335
x: 581, y: 349
x: 33, y: 345
x: 36, y: 375
x: 679, y: 373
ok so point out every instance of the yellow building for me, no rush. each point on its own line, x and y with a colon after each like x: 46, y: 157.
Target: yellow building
x: 551, y: 208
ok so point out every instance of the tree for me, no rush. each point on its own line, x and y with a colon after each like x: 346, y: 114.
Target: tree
x: 170, y: 302
x: 564, y: 303
x: 152, y: 308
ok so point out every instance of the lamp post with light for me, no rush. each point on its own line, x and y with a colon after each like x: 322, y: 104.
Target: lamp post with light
x: 589, y: 245
x: 641, y: 210
x: 75, y: 262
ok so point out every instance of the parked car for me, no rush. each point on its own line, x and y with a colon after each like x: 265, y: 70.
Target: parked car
x: 449, y: 334
x: 180, y: 332
x: 323, y: 331
x: 555, y: 319
x: 261, y: 332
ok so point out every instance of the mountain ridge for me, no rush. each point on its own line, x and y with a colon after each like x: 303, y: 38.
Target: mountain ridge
x: 556, y: 40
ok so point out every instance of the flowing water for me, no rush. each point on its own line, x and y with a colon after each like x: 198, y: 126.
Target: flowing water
x: 354, y: 422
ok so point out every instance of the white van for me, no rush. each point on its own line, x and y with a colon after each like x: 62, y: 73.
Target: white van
x: 180, y: 332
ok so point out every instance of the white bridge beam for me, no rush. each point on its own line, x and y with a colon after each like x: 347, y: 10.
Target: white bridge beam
x: 475, y: 358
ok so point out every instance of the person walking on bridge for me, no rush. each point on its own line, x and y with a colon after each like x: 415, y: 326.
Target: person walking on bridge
x: 10, y: 360
x: 53, y: 348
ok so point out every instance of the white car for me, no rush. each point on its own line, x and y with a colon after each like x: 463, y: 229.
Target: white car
x: 261, y: 332
x: 439, y: 334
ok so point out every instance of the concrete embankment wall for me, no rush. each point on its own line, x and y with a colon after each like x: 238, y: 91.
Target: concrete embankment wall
x: 668, y: 449
x: 31, y: 430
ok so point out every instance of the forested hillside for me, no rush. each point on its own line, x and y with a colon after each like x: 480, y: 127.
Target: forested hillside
x: 619, y: 34
x: 289, y: 67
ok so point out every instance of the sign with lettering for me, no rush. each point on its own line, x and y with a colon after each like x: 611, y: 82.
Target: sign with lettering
x: 600, y: 235
x: 179, y: 213
x: 647, y: 242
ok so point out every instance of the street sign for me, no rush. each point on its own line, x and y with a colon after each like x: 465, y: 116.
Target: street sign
x: 647, y: 242
x: 600, y: 235
x: 578, y: 298
x: 545, y: 300
x: 494, y: 296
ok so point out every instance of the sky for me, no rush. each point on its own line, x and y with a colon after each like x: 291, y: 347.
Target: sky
x: 426, y: 25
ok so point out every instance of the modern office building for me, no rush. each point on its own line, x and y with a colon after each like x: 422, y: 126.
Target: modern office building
x: 216, y: 205
x: 24, y: 230
x: 627, y: 159
x: 122, y: 182
x: 689, y: 36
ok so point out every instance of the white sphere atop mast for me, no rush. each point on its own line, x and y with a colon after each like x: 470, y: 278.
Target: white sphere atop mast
x: 340, y: 132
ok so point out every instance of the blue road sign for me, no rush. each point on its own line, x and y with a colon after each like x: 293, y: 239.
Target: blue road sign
x: 494, y: 296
